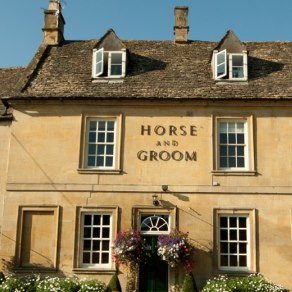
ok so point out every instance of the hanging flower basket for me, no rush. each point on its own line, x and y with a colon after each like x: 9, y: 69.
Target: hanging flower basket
x: 130, y: 249
x: 176, y: 248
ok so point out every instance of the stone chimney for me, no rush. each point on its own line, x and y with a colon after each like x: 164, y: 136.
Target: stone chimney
x: 54, y: 23
x: 181, y: 27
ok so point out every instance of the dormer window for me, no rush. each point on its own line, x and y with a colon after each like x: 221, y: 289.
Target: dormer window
x: 232, y: 66
x: 109, y: 63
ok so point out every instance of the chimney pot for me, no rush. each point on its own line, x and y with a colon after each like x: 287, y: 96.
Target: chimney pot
x: 181, y: 27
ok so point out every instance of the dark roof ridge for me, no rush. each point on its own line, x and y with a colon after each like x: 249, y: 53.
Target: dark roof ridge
x: 32, y: 67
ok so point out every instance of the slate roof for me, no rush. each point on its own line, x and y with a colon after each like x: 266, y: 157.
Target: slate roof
x: 8, y: 78
x: 157, y: 69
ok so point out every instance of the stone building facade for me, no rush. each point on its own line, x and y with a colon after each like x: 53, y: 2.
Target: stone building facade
x: 104, y: 135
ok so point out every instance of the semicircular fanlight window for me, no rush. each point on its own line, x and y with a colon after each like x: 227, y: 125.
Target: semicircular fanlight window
x: 154, y: 224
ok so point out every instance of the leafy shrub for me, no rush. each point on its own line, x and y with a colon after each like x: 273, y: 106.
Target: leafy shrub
x: 114, y: 284
x: 242, y: 284
x: 14, y: 283
x: 49, y: 284
x: 189, y: 284
x: 92, y: 285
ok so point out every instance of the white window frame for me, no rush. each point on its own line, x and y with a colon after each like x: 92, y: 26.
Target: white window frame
x: 95, y: 61
x: 250, y: 241
x: 236, y: 145
x: 227, y: 75
x: 112, y: 211
x: 100, y: 238
x: 84, y: 166
x: 244, y: 66
x: 154, y: 224
x: 107, y: 58
x: 223, y: 53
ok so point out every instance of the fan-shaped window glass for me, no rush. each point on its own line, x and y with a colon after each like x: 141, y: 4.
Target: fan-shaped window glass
x: 155, y: 223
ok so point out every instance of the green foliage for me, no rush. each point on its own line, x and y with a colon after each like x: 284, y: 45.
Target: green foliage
x: 242, y: 284
x: 91, y: 285
x: 49, y: 284
x: 57, y: 284
x: 189, y: 284
x: 114, y: 284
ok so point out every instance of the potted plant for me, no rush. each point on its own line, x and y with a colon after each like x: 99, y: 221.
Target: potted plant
x: 176, y: 248
x: 130, y: 249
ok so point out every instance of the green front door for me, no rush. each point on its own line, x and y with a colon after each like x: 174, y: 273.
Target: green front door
x: 154, y: 275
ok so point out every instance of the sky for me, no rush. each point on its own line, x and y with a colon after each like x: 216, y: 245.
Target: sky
x: 21, y: 22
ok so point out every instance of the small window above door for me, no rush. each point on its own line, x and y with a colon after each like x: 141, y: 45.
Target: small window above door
x: 154, y: 224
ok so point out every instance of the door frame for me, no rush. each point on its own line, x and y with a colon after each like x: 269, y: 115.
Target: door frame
x: 137, y: 211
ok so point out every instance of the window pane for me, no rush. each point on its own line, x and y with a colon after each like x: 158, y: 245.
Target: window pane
x: 237, y: 72
x: 100, y: 161
x: 101, y: 126
x: 240, y: 127
x: 233, y: 261
x: 223, y: 150
x: 92, y: 137
x: 232, y: 234
x: 231, y: 127
x: 106, y: 220
x: 232, y: 221
x: 87, y: 219
x: 223, y: 138
x: 223, y: 162
x: 110, y: 137
x: 100, y: 149
x: 105, y: 245
x: 110, y: 149
x: 101, y: 137
x: 240, y: 162
x: 223, y: 235
x: 87, y: 232
x: 105, y: 258
x: 242, y: 235
x: 92, y: 149
x: 242, y: 248
x: 240, y: 150
x: 96, y: 245
x: 96, y: 219
x: 110, y: 126
x: 242, y: 221
x: 242, y: 261
x: 224, y: 260
x: 237, y: 60
x: 116, y: 58
x: 105, y: 233
x: 92, y: 126
x: 223, y: 221
x: 109, y: 161
x: 231, y: 150
x: 95, y: 258
x: 86, y: 244
x: 224, y: 247
x: 223, y: 127
x: 220, y: 69
x: 116, y: 70
x: 231, y: 162
x: 231, y: 138
x: 240, y: 138
x: 91, y: 161
x: 98, y: 67
x: 233, y: 247
x: 86, y: 257
x: 96, y: 232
